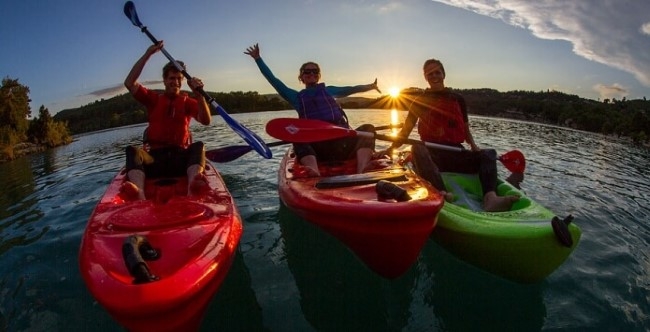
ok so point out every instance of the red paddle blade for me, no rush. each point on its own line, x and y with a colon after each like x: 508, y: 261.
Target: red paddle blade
x: 514, y: 161
x: 305, y: 130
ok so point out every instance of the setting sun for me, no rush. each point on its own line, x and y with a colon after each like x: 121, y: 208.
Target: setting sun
x: 394, y: 92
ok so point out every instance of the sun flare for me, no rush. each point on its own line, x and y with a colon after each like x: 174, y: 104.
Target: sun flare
x: 394, y: 92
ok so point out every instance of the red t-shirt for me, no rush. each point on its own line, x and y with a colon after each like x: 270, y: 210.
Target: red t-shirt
x: 169, y: 118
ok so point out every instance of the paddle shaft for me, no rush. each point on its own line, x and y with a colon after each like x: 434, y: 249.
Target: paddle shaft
x: 230, y: 153
x: 307, y: 131
x: 407, y: 141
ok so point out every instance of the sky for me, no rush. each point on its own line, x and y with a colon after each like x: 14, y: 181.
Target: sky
x: 74, y: 52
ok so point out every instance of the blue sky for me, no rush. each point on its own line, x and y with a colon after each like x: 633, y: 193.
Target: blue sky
x: 72, y: 52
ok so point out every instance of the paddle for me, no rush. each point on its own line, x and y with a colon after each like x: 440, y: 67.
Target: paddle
x: 250, y: 137
x: 230, y: 153
x: 307, y: 130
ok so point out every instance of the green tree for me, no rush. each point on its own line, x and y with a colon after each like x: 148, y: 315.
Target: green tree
x: 14, y: 111
x: 44, y: 130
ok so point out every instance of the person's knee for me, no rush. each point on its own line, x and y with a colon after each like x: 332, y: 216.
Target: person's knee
x: 419, y: 149
x: 489, y: 154
x: 197, y: 146
x: 367, y: 127
x: 130, y: 150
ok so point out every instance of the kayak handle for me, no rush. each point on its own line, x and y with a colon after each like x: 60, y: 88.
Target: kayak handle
x: 135, y: 251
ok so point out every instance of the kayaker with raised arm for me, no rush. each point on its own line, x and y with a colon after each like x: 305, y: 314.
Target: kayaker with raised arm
x: 317, y: 101
x: 441, y: 116
x: 169, y: 114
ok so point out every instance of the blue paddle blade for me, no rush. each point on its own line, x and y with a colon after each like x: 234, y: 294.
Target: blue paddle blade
x: 250, y: 137
x: 129, y: 11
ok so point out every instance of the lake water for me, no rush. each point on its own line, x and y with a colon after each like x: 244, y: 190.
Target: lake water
x: 290, y: 276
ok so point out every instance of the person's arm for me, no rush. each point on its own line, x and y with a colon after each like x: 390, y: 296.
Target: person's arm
x: 409, y: 123
x: 344, y: 91
x: 285, y: 92
x: 470, y: 139
x: 468, y: 134
x: 203, y: 116
x: 131, y: 81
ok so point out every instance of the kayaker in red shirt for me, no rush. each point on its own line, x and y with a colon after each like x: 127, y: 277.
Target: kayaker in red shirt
x: 171, y: 151
x: 442, y: 118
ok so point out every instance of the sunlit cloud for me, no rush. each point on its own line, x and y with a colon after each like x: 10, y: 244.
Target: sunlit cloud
x: 389, y: 7
x: 611, y: 91
x: 117, y: 89
x: 645, y: 28
x: 607, y: 33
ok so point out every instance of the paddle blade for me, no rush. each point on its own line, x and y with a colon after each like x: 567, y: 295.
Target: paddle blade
x: 250, y: 137
x: 305, y: 130
x: 129, y: 11
x: 228, y: 153
x: 514, y: 161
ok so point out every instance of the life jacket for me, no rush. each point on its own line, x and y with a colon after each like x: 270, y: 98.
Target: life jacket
x: 169, y: 122
x: 317, y: 104
x: 442, y: 120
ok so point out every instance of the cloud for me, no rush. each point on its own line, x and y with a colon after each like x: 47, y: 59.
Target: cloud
x: 611, y: 91
x: 645, y: 28
x: 116, y: 89
x: 612, y: 32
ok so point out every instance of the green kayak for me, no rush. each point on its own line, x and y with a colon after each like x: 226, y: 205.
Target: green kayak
x: 525, y: 244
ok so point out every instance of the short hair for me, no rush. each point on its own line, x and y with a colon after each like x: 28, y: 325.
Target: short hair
x: 170, y: 66
x: 437, y: 62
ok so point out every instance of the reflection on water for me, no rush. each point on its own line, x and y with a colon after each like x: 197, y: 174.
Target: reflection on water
x: 290, y: 276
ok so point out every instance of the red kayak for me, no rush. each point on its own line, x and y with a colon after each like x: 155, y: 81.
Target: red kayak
x: 154, y: 265
x: 384, y: 216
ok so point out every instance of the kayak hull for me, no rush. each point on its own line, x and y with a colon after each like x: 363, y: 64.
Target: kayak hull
x: 386, y: 234
x: 195, y: 237
x: 519, y: 245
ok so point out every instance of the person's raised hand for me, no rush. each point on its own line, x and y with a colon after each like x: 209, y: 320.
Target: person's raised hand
x: 253, y: 51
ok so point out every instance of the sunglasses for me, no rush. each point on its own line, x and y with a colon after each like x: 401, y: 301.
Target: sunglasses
x: 310, y: 71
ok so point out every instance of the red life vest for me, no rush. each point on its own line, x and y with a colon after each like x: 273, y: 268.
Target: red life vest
x: 169, y: 122
x: 441, y: 119
x: 316, y: 103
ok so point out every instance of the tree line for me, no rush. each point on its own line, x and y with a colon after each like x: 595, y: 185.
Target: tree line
x: 16, y: 127
x: 612, y: 117
x: 629, y: 118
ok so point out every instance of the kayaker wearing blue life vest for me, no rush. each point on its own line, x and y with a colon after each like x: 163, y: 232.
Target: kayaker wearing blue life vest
x: 171, y: 151
x: 441, y: 116
x: 317, y: 101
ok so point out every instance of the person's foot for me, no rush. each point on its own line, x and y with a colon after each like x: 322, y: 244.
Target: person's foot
x: 129, y: 191
x: 199, y: 185
x: 376, y: 164
x: 494, y: 203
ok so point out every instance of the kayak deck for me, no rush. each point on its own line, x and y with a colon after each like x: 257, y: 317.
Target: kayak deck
x: 195, y: 239
x: 384, y: 231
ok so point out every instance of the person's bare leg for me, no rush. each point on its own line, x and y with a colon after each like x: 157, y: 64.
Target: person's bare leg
x: 363, y: 158
x: 134, y: 187
x: 311, y: 164
x: 197, y: 182
x: 516, y: 179
x: 495, y: 203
